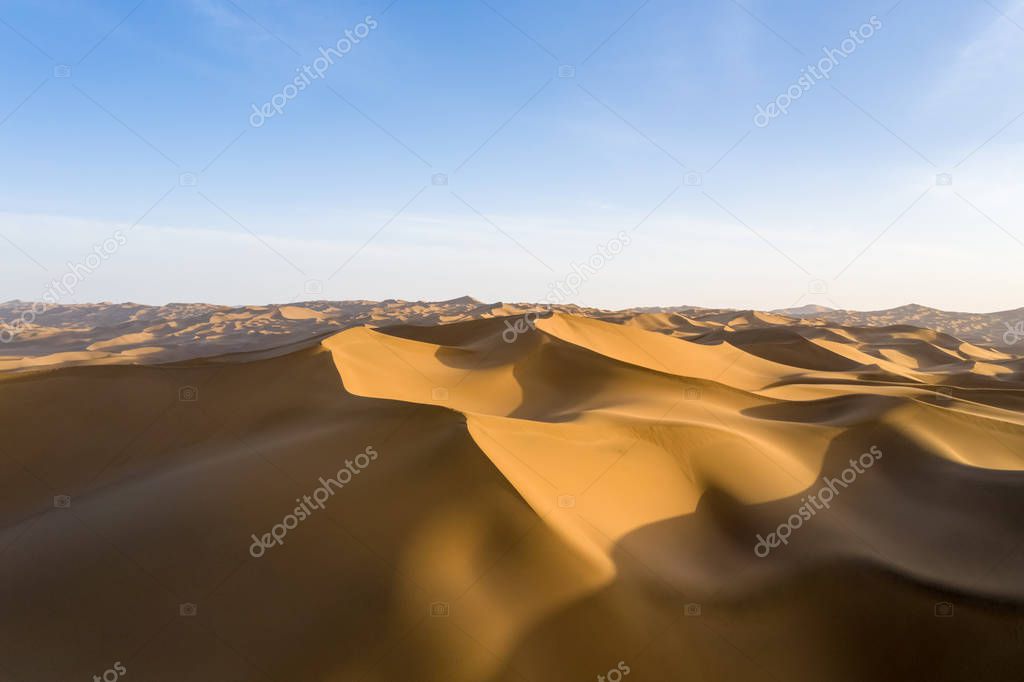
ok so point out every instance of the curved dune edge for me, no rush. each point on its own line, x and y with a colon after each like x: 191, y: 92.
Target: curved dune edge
x: 604, y: 417
x: 580, y: 461
x: 591, y: 423
x: 599, y: 417
x: 567, y: 494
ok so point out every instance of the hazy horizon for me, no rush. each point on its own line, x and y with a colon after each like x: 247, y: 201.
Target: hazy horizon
x: 301, y: 301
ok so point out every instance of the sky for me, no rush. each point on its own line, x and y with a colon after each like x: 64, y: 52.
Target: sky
x: 725, y: 153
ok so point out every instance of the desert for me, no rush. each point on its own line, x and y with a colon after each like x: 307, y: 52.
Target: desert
x: 609, y: 488
x: 511, y: 341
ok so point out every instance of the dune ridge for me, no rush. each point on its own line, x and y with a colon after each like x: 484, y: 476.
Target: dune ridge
x: 128, y: 333
x: 588, y: 490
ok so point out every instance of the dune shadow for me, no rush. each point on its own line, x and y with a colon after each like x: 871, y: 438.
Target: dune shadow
x: 853, y: 594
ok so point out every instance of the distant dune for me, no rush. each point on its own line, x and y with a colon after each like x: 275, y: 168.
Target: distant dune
x: 535, y: 493
x: 984, y: 328
x: 127, y: 332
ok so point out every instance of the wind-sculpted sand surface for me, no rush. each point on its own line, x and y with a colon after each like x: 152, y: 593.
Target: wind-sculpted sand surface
x: 473, y: 492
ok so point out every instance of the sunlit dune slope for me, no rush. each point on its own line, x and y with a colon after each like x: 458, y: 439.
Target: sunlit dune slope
x: 550, y: 494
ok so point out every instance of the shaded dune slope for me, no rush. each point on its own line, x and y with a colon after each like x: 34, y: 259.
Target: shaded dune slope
x: 564, y: 497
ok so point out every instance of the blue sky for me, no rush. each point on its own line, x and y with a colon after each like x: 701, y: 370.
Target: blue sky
x: 109, y: 109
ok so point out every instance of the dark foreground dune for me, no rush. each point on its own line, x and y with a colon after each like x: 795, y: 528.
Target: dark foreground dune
x: 626, y: 495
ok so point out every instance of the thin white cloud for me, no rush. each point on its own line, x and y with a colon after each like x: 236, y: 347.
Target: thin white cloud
x: 995, y: 54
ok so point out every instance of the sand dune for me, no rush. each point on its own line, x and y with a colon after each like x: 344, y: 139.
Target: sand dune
x: 999, y: 328
x: 553, y: 492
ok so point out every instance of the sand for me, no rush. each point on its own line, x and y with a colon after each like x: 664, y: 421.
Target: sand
x: 584, y: 495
